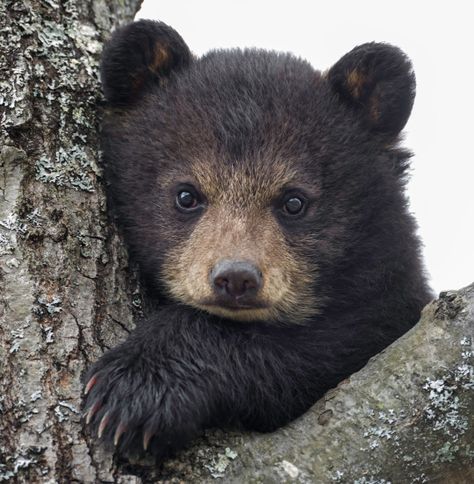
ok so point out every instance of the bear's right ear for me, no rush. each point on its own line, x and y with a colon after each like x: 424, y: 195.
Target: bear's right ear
x: 138, y: 56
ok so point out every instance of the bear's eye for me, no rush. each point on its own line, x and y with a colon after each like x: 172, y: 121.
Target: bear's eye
x: 293, y: 206
x: 186, y: 200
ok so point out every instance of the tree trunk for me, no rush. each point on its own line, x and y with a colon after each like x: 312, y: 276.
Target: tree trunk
x: 67, y: 294
x: 64, y: 291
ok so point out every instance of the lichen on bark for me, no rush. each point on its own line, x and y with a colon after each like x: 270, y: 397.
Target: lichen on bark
x: 65, y: 294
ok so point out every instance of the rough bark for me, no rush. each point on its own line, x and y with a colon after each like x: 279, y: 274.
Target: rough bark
x: 66, y: 294
x: 64, y: 291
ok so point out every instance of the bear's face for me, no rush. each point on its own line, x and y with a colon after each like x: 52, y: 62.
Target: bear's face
x: 242, y: 179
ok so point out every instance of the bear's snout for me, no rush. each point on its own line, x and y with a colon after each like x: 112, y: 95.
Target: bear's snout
x: 236, y: 282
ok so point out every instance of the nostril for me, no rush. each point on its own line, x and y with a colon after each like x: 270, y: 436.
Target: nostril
x: 250, y: 284
x: 221, y: 282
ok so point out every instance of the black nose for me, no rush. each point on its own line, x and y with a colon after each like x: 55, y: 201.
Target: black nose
x: 236, y: 279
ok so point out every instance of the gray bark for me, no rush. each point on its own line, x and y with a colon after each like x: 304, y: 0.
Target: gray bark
x: 64, y: 291
x: 67, y: 294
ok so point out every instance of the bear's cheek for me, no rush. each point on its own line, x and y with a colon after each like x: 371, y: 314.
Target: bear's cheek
x: 287, y: 279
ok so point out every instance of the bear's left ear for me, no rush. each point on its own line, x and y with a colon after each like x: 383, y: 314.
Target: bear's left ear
x: 140, y: 55
x: 378, y: 82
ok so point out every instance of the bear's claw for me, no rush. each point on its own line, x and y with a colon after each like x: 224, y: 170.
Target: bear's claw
x: 92, y: 411
x: 103, y: 423
x: 118, y: 433
x: 90, y: 384
x: 147, y: 436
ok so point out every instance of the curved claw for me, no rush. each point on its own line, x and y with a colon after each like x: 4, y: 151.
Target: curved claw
x: 92, y: 411
x: 118, y: 433
x: 90, y: 384
x: 103, y: 424
x: 147, y: 436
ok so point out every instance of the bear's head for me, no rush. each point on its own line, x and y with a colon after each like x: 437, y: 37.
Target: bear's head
x: 247, y: 183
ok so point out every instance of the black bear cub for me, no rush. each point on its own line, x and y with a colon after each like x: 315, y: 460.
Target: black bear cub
x: 264, y: 203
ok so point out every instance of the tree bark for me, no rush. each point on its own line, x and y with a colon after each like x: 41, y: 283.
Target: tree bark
x: 67, y: 294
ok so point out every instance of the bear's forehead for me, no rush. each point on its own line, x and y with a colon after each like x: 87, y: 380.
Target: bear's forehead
x: 243, y: 98
x: 243, y: 128
x: 244, y: 183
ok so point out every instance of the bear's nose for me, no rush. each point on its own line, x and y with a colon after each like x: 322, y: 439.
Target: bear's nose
x: 236, y: 279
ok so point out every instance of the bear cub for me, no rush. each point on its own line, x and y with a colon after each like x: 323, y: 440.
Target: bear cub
x: 264, y: 203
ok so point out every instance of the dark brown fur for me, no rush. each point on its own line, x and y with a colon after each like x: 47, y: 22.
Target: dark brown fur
x: 245, y: 131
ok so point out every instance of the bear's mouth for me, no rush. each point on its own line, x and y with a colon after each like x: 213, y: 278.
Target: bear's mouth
x: 233, y: 305
x: 238, y: 310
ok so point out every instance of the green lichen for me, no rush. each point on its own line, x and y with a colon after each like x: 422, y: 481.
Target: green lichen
x: 71, y: 168
x: 12, y: 227
x: 61, y: 414
x: 218, y: 465
x: 48, y: 305
x: 434, y: 431
x: 11, y: 467
x: 59, y: 66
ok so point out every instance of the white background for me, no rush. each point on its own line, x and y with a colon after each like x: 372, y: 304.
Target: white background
x: 437, y: 36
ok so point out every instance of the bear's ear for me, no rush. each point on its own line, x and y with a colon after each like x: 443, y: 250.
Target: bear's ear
x: 376, y: 80
x: 137, y: 56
